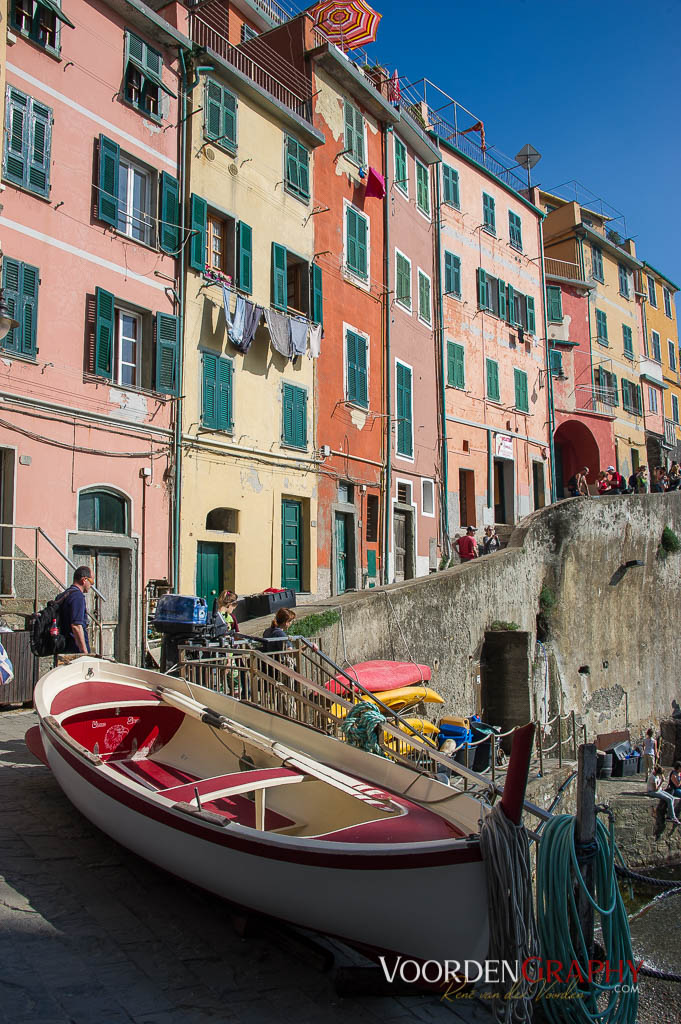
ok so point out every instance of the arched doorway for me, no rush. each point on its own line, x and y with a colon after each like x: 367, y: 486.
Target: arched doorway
x: 575, y: 447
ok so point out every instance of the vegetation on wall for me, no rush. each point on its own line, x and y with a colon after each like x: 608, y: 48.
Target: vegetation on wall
x: 499, y: 625
x: 311, y: 625
x: 669, y: 543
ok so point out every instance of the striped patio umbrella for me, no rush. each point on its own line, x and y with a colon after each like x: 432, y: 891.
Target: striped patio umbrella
x: 347, y: 23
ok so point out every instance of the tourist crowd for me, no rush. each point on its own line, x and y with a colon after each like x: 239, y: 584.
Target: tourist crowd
x: 611, y: 481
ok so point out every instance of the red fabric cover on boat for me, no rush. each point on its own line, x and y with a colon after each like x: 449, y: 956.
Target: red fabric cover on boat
x: 140, y: 728
x: 98, y: 692
x: 418, y: 825
x: 226, y: 781
x: 376, y: 676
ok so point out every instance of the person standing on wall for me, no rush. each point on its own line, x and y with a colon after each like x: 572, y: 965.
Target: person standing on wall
x: 649, y: 753
x: 73, y: 612
x: 466, y: 546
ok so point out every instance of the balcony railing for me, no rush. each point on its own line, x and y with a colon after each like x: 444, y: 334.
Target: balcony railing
x: 561, y: 268
x: 670, y: 433
x: 599, y: 400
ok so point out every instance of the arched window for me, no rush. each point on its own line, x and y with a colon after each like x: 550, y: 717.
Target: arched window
x: 102, y: 511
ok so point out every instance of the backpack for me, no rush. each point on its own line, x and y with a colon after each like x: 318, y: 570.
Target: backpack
x: 42, y: 644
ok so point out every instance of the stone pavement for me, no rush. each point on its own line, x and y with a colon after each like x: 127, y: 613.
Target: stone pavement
x: 91, y: 933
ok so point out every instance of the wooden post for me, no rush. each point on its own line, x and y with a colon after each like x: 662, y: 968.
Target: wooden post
x: 585, y: 832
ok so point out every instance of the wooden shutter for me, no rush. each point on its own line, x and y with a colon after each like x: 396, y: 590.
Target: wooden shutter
x: 38, y: 177
x: 209, y: 416
x: 451, y: 362
x: 488, y: 213
x: 245, y: 257
x: 627, y: 339
x: 356, y: 241
x: 403, y: 280
x: 12, y: 292
x: 199, y: 224
x: 359, y: 136
x: 224, y: 395
x: 17, y: 132
x: 459, y: 376
x: 356, y: 368
x: 510, y: 305
x: 556, y: 362
x: 212, y: 117
x: 531, y: 321
x: 107, y: 196
x: 639, y: 400
x: 279, y: 277
x: 170, y: 213
x: 424, y: 298
x: 297, y: 168
x: 294, y: 415
x: 492, y: 380
x: 520, y: 382
x: 482, y: 289
x: 404, y: 411
x: 167, y: 351
x: 401, y: 166
x: 104, y: 333
x: 501, y: 294
x: 317, y: 294
x: 555, y: 304
x: 28, y: 317
x: 229, y: 104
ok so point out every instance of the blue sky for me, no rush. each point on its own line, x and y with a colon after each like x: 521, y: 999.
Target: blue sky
x: 595, y: 87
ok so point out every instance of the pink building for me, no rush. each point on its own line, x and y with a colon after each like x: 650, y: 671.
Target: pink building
x: 414, y: 355
x: 89, y: 232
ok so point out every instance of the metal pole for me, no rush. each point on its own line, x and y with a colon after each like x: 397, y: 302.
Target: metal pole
x: 560, y: 741
x: 35, y: 593
x: 574, y: 735
x: 585, y: 837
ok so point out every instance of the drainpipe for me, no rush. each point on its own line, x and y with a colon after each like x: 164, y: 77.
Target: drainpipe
x: 444, y: 500
x: 387, y: 133
x: 549, y: 375
x: 490, y: 471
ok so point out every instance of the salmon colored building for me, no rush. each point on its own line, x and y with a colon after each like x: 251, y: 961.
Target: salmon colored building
x: 89, y: 231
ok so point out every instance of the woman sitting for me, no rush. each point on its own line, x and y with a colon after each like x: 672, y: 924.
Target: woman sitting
x: 654, y: 788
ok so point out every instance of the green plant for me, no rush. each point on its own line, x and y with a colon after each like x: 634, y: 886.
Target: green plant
x: 670, y: 543
x: 499, y: 625
x: 311, y: 625
x: 444, y: 562
x: 547, y: 601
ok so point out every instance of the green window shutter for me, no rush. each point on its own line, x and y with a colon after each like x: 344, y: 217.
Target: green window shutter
x: 455, y: 365
x: 356, y: 233
x: 356, y: 354
x: 199, y: 221
x: 452, y: 274
x: 404, y: 411
x: 287, y: 413
x: 451, y: 362
x: 450, y: 185
x: 531, y: 321
x: 639, y: 400
x: 625, y: 395
x: 209, y: 396
x: 492, y: 380
x: 424, y: 298
x: 359, y: 137
x: 482, y: 289
x: 167, y: 350
x: 245, y: 257
x: 212, y: 115
x: 501, y: 295
x: 488, y: 212
x: 107, y: 195
x: 317, y: 294
x: 628, y: 340
x: 554, y: 302
x: 224, y: 394
x: 229, y: 103
x: 510, y: 305
x: 170, y: 213
x: 401, y: 181
x: 354, y: 132
x: 520, y: 383
x: 279, y: 277
x: 104, y: 333
x: 403, y: 280
x: 294, y: 415
x: 615, y: 390
x: 601, y: 326
x: 39, y: 149
x: 12, y: 293
x: 422, y: 188
x: 297, y: 168
x: 556, y: 362
x: 28, y: 317
x: 17, y: 133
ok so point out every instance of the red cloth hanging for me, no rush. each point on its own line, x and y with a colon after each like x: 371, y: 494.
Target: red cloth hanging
x: 375, y: 186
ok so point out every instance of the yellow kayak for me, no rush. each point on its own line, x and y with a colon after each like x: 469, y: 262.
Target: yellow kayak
x: 422, y: 725
x: 407, y: 696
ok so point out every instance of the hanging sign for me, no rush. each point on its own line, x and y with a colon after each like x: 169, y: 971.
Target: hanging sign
x: 504, y: 446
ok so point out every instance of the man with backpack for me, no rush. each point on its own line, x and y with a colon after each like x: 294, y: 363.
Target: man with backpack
x: 73, y: 612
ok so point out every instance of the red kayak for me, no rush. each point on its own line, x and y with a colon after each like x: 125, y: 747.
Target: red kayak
x: 377, y: 676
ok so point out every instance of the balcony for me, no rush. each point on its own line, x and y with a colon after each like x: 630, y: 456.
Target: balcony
x: 669, y: 433
x: 561, y: 268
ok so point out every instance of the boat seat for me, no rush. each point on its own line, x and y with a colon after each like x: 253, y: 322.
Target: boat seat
x: 234, y: 784
x: 152, y: 774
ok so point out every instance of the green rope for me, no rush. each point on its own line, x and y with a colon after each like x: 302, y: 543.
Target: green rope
x: 598, y: 1000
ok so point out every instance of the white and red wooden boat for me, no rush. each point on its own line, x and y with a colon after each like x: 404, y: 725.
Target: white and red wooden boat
x: 266, y: 812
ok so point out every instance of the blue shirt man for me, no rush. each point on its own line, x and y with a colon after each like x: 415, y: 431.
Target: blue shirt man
x: 73, y: 612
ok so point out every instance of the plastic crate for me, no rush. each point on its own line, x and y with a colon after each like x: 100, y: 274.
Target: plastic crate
x: 269, y: 604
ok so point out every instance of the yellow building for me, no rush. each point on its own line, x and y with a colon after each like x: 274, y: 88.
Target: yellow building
x: 575, y: 235
x: 662, y: 341
x: 248, y: 468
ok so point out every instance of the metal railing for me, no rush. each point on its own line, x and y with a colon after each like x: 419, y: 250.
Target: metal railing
x: 670, y: 433
x: 562, y: 268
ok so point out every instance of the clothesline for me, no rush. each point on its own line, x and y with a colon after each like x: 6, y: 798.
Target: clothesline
x: 290, y: 336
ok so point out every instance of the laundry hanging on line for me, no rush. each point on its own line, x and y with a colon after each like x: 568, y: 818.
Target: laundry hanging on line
x: 315, y: 341
x: 299, y: 331
x: 279, y: 327
x: 243, y: 323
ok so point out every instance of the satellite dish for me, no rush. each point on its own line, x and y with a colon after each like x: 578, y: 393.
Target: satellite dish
x: 528, y: 157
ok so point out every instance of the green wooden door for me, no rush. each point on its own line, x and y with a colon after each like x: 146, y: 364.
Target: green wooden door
x: 291, y: 545
x: 341, y: 553
x: 209, y: 571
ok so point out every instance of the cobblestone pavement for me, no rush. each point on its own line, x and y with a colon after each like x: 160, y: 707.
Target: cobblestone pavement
x: 91, y: 933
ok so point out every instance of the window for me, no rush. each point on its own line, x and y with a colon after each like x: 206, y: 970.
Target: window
x: 354, y: 134
x: 403, y: 397
x: 492, y: 294
x: 652, y: 293
x: 20, y: 283
x: 515, y: 231
x: 655, y: 346
x: 671, y: 347
x: 521, y: 310
x: 129, y: 350
x: 356, y: 388
x: 631, y: 398
x: 424, y: 298
x: 667, y: 296
x: 372, y: 518
x: 401, y: 171
x: 675, y: 408
x: 520, y: 383
x: 402, y: 280
x: 452, y: 274
x: 143, y: 76
x: 219, y: 115
x: 346, y: 492
x: 623, y: 280
x: 294, y: 415
x: 601, y: 327
x: 428, y: 497
x: 652, y: 400
x: 627, y: 341
x: 40, y: 20
x: 221, y: 244
x: 488, y: 214
x: 216, y: 399
x: 224, y: 519
x: 247, y: 33
x: 356, y: 243
x: 554, y: 304
x: 102, y: 511
x: 218, y: 230
x: 456, y: 368
x: 297, y: 175
x: 134, y: 201
x: 556, y: 362
x: 597, y: 263
x: 404, y: 493
x: 28, y: 137
x: 450, y: 186
x: 606, y: 386
x: 422, y: 188
x: 296, y: 284
x: 492, y: 368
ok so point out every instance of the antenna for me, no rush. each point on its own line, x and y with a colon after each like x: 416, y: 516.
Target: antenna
x: 528, y: 157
